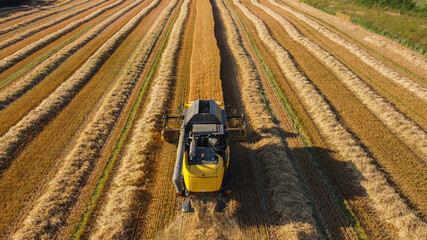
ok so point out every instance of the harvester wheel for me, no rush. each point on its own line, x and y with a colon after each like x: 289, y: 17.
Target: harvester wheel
x: 227, y: 184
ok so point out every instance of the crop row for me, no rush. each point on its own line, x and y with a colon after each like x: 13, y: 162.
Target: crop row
x: 122, y: 198
x: 22, y: 85
x: 38, y: 17
x: 290, y: 208
x: 390, y: 207
x: 18, y: 37
x: 365, y: 57
x: 399, y: 124
x: 14, y: 58
x: 26, y: 13
x: 409, y: 55
x: 63, y: 94
x: 65, y: 188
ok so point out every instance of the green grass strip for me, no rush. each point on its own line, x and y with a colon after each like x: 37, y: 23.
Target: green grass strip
x: 96, y: 194
x: 53, y: 51
x: 350, y: 216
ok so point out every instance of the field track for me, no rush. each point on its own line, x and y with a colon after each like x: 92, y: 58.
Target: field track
x: 336, y: 143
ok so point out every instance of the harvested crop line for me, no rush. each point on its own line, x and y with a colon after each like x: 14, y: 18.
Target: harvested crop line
x: 10, y: 141
x: 116, y: 219
x: 13, y: 17
x: 365, y: 57
x: 390, y: 207
x: 380, y: 42
x: 18, y: 37
x: 63, y: 190
x: 399, y: 124
x: 35, y: 10
x: 21, y: 86
x: 14, y: 58
x: 290, y: 207
x: 32, y: 20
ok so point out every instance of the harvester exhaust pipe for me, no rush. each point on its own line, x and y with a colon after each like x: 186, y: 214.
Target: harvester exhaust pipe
x: 177, y: 179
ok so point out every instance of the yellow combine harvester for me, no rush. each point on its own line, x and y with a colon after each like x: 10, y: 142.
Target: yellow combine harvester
x: 203, y: 153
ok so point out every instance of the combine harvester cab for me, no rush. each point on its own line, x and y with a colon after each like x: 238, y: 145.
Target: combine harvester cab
x: 203, y: 153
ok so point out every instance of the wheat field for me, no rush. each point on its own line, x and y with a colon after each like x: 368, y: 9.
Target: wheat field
x: 336, y: 142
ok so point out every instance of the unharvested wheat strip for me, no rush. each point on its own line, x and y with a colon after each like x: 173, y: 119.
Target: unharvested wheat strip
x: 64, y: 93
x: 39, y: 17
x: 14, y: 58
x: 419, y: 91
x: 18, y: 37
x: 120, y: 209
x: 292, y: 213
x: 22, y: 85
x: 64, y: 189
x: 205, y: 79
x: 400, y: 125
x: 390, y: 207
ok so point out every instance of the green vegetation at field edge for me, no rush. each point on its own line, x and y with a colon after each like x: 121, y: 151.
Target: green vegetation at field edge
x: 406, y: 28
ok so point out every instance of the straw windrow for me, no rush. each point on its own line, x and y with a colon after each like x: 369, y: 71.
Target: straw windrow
x: 290, y: 208
x: 39, y: 17
x: 389, y: 73
x: 404, y: 128
x: 14, y: 58
x: 10, y: 141
x: 390, y: 207
x: 64, y: 189
x: 26, y: 13
x: 18, y: 37
x: 122, y: 199
x: 22, y: 85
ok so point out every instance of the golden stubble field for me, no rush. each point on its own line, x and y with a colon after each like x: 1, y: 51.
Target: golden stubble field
x: 336, y: 144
